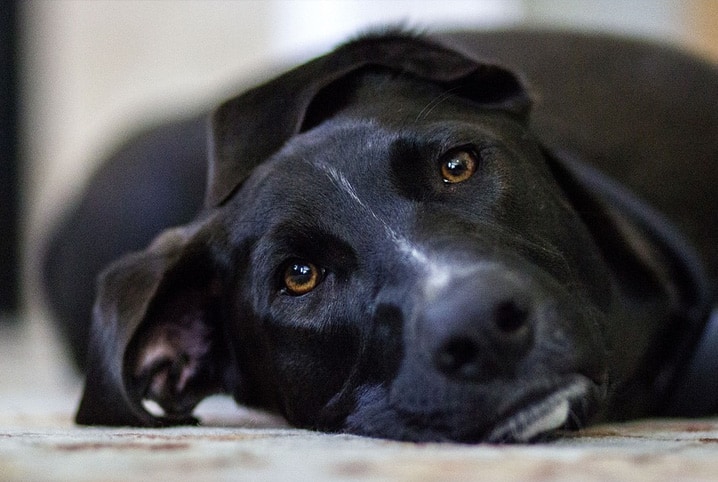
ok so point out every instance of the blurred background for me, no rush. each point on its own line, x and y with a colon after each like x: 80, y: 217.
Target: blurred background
x: 79, y: 76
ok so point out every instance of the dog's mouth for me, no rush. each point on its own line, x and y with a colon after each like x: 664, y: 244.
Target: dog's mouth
x: 531, y: 414
x: 540, y: 415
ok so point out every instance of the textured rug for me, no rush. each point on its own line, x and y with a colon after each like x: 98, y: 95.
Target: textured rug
x: 39, y: 442
x: 50, y: 448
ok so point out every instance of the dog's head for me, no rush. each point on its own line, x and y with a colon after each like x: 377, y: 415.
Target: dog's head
x: 386, y: 250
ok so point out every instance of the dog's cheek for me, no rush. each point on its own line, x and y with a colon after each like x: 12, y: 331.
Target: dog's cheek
x: 547, y: 229
x: 310, y: 367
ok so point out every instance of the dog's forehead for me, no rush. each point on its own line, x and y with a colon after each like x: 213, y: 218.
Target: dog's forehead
x: 364, y: 149
x: 335, y: 178
x: 356, y: 142
x: 354, y: 170
x: 333, y: 160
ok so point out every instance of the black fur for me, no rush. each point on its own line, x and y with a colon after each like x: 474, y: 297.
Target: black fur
x: 535, y: 294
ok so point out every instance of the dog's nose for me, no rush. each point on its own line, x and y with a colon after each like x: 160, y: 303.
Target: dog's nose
x: 504, y: 330
x: 479, y: 328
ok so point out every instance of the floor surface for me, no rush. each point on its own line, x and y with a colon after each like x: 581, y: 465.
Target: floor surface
x: 38, y: 442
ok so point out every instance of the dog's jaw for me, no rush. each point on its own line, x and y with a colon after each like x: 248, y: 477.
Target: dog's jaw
x: 541, y: 417
x: 524, y: 419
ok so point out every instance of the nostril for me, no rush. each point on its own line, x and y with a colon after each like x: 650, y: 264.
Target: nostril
x: 459, y: 356
x: 510, y: 317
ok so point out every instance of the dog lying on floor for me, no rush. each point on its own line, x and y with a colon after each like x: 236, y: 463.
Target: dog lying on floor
x: 420, y: 239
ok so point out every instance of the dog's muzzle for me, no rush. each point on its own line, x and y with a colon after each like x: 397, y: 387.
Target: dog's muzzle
x: 491, y: 356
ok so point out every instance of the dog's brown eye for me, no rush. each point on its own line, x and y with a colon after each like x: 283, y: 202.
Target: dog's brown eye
x: 458, y: 166
x: 301, y: 277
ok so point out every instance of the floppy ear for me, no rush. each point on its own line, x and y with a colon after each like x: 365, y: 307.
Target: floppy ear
x: 248, y: 129
x: 643, y: 245
x: 156, y: 335
x: 649, y: 259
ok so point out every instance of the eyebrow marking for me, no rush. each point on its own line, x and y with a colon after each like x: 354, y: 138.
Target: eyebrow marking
x: 438, y: 274
x: 345, y: 186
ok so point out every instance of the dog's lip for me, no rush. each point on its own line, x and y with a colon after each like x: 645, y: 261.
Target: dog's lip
x: 545, y: 406
x: 535, y: 415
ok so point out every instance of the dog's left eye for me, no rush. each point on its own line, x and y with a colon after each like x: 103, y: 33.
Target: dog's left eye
x: 458, y: 166
x: 300, y: 277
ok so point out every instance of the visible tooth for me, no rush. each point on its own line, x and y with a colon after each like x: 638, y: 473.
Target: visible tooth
x: 552, y: 420
x: 544, y: 416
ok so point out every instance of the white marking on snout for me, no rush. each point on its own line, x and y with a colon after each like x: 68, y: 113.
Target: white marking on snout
x: 414, y: 252
x: 440, y: 273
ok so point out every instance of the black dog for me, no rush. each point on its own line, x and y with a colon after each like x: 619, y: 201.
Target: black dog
x: 390, y: 247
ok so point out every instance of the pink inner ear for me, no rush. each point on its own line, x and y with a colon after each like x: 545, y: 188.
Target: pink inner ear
x: 173, y: 352
x: 170, y: 371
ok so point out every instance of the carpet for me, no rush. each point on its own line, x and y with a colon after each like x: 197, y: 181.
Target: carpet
x: 39, y: 442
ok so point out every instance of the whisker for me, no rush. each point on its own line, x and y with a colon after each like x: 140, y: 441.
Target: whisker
x: 434, y: 103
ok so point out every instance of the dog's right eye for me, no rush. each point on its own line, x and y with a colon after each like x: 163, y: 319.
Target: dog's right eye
x: 300, y: 277
x: 458, y: 165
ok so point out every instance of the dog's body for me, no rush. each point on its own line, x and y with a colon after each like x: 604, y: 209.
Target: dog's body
x: 389, y: 247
